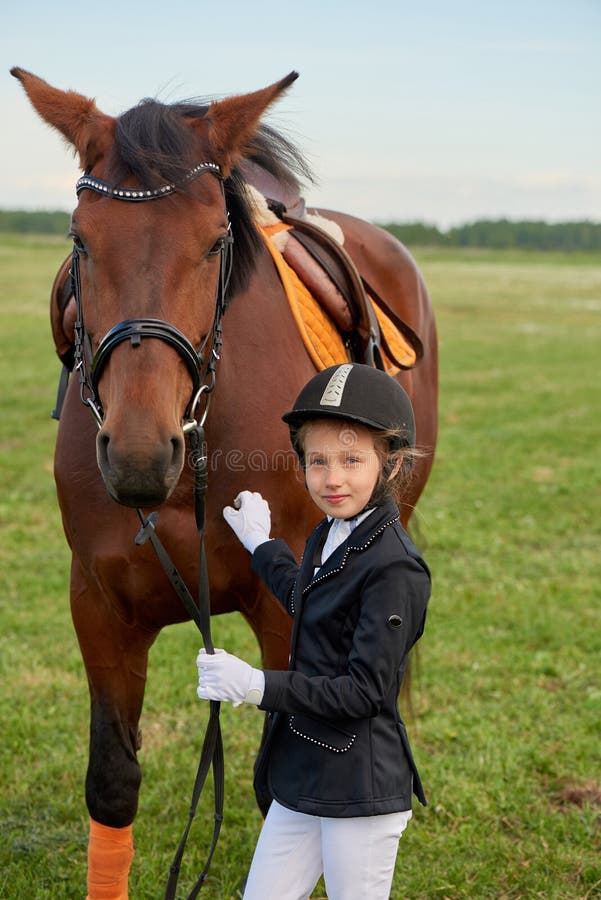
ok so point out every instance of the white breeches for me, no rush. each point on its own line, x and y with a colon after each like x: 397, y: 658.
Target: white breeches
x: 355, y: 855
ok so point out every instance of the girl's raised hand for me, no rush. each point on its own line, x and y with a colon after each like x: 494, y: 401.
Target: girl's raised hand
x: 250, y: 519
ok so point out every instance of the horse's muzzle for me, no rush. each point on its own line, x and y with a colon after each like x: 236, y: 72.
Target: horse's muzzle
x: 140, y: 477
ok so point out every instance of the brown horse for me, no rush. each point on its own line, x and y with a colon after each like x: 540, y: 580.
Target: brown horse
x: 160, y: 260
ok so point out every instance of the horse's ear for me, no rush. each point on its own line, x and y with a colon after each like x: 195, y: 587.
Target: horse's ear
x: 233, y: 122
x: 78, y: 119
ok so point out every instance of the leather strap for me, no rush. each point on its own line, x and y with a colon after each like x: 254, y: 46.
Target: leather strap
x: 61, y: 391
x: 408, y: 333
x: 212, y: 749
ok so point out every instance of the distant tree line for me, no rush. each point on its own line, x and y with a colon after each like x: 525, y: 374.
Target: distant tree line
x: 503, y: 234
x: 493, y: 233
x: 37, y: 222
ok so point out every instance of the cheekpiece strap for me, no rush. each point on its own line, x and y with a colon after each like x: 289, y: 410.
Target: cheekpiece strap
x: 88, y: 183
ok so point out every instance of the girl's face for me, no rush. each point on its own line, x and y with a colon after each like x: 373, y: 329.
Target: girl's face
x: 342, y: 467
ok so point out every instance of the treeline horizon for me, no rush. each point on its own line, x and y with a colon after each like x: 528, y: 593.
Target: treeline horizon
x: 501, y: 234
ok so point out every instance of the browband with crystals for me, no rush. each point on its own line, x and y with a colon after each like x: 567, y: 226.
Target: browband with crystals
x: 86, y: 182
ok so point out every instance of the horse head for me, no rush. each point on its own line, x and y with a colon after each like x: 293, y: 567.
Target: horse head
x: 148, y: 274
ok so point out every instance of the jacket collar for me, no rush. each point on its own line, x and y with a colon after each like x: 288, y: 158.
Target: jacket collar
x: 360, y: 538
x: 365, y: 532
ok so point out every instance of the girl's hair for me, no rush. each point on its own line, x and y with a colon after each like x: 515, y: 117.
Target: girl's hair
x: 402, y: 459
x: 384, y: 439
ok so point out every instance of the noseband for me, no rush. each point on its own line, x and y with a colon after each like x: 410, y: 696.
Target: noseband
x: 135, y: 330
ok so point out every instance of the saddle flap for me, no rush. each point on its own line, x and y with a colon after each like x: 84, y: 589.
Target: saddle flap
x: 338, y: 265
x: 63, y: 314
x: 320, y: 281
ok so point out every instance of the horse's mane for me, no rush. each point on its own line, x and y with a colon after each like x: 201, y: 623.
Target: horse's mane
x: 153, y: 144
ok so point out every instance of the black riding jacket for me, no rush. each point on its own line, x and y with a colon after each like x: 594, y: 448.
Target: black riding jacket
x: 337, y: 745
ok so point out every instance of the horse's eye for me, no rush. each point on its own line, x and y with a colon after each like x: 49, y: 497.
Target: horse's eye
x: 77, y: 242
x: 217, y: 247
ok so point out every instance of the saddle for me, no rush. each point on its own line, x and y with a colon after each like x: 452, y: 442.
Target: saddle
x: 330, y: 301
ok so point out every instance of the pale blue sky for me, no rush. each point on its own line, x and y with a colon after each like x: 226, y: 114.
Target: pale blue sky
x: 438, y: 111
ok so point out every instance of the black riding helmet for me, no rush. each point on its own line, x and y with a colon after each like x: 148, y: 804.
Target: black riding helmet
x: 358, y: 393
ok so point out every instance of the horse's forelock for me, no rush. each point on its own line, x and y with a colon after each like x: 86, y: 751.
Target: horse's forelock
x: 153, y: 144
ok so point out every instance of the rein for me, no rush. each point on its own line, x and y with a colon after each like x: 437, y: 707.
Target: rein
x: 203, y: 383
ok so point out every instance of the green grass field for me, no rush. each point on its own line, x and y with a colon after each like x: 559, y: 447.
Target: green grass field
x: 507, y: 693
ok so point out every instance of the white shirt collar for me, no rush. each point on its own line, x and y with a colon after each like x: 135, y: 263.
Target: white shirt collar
x: 340, y: 529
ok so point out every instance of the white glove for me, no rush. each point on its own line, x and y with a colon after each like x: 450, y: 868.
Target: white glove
x: 222, y: 676
x: 250, y: 519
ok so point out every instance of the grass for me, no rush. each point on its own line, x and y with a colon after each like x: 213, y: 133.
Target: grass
x: 508, y: 690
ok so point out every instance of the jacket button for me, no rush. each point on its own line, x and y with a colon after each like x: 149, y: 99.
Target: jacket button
x: 395, y: 621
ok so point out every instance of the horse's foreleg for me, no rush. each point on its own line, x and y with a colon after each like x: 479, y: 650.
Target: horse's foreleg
x: 115, y: 654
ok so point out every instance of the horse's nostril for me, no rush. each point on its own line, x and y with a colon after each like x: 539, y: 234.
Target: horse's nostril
x: 102, y: 446
x: 177, y: 445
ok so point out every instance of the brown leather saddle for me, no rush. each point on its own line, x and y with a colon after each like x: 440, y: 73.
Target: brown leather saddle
x: 323, y: 264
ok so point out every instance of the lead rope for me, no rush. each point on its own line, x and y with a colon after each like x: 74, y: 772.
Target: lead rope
x: 212, y: 748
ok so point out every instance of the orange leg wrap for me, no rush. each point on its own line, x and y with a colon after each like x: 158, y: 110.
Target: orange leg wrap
x: 110, y: 852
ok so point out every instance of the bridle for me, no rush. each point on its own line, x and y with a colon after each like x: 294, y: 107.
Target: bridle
x: 135, y: 330
x: 203, y: 384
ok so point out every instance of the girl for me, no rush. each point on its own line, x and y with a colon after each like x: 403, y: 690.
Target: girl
x: 337, y: 761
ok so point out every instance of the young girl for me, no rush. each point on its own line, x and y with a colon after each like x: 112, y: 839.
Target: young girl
x: 337, y: 761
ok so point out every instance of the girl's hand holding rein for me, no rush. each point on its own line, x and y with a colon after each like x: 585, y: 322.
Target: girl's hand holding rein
x: 223, y: 676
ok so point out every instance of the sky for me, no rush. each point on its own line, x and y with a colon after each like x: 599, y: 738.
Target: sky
x: 435, y: 111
